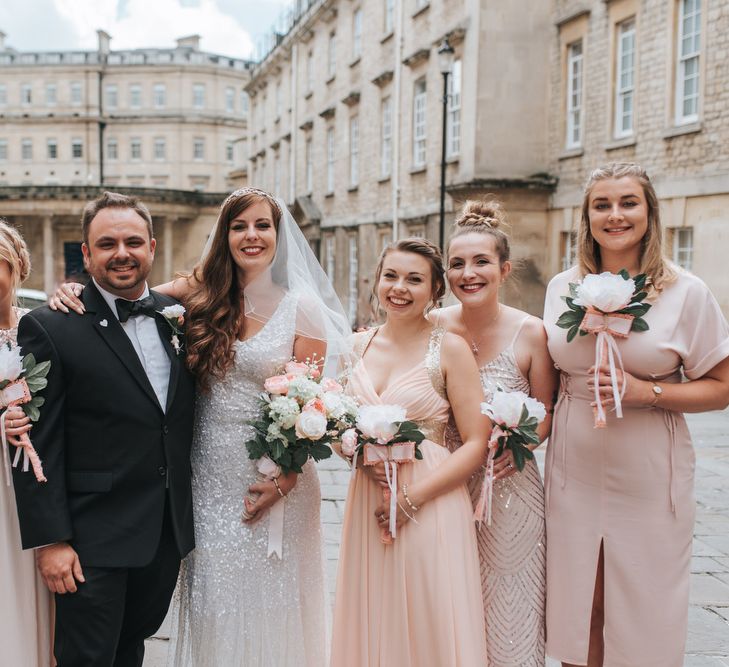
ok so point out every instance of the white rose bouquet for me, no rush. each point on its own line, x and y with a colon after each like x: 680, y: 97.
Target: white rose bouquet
x: 21, y: 378
x: 301, y: 415
x: 516, y: 417
x: 609, y: 305
x: 383, y: 433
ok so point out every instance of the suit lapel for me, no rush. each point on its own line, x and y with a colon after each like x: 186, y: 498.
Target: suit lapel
x: 107, y: 325
x: 165, y: 334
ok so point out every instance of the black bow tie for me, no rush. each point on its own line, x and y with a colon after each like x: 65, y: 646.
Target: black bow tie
x: 126, y: 309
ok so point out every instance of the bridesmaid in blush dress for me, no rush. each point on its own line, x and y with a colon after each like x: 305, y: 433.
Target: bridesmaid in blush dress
x: 25, y: 608
x: 417, y: 601
x: 620, y: 500
x: 510, y: 348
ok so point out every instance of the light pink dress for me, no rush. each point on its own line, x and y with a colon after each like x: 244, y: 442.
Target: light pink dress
x: 416, y: 602
x: 628, y: 486
x: 25, y: 603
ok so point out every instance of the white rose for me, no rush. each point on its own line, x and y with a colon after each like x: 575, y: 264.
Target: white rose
x: 176, y: 311
x: 267, y: 467
x: 284, y: 410
x: 380, y: 422
x: 11, y: 362
x: 506, y: 407
x: 333, y: 404
x: 607, y: 292
x: 311, y: 424
x: 536, y: 409
x: 303, y: 389
x: 349, y: 442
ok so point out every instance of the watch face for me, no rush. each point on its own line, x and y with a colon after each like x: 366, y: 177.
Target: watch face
x: 657, y: 390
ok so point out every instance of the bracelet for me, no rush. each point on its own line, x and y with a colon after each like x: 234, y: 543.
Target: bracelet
x: 413, y: 508
x: 278, y: 488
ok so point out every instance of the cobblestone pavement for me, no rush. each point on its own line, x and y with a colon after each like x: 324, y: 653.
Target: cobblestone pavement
x: 708, y: 636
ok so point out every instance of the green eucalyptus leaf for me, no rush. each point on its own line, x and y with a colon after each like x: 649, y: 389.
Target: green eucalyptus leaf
x: 624, y: 274
x: 639, y: 324
x: 31, y: 412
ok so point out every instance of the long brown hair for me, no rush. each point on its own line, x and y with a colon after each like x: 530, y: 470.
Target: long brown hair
x: 214, y: 312
x: 653, y: 262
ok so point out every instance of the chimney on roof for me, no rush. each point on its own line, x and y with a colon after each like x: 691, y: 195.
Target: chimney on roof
x: 104, y: 41
x: 189, y: 42
x: 2, y: 40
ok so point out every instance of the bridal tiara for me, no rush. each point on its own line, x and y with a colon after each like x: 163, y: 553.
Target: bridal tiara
x: 254, y: 191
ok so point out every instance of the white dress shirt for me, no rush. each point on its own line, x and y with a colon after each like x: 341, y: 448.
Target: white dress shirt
x: 144, y: 336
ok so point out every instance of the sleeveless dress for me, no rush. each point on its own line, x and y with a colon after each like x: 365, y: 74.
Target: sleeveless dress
x: 512, y: 550
x: 25, y: 608
x: 628, y: 487
x: 415, y: 602
x: 235, y: 606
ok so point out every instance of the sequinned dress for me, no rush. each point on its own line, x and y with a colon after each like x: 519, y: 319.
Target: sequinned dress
x: 415, y: 602
x: 235, y: 606
x: 25, y: 606
x: 512, y: 549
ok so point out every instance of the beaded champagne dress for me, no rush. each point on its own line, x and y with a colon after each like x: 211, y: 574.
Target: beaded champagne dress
x: 512, y: 550
x: 25, y: 608
x: 235, y: 606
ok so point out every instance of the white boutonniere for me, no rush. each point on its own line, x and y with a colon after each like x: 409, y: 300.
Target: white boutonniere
x: 175, y: 317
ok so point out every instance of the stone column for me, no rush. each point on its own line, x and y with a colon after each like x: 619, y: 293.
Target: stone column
x: 49, y: 279
x: 167, y: 240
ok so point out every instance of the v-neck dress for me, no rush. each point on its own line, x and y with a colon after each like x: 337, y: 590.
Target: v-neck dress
x: 415, y: 602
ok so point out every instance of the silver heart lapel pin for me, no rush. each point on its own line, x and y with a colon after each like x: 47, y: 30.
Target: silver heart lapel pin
x: 104, y: 323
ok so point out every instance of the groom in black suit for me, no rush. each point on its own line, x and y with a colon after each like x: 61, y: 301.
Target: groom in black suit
x: 115, y: 517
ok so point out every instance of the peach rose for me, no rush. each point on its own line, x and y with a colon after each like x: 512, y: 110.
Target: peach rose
x: 315, y: 404
x: 330, y: 384
x: 277, y: 384
x: 296, y: 368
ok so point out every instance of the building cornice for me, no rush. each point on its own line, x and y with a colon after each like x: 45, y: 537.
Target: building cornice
x: 544, y: 182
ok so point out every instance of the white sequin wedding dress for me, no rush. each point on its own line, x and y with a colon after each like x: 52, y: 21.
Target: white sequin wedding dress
x: 235, y: 606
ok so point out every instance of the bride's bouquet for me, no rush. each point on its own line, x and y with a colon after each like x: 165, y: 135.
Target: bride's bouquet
x: 516, y: 417
x: 302, y: 414
x: 610, y: 306
x: 21, y: 378
x: 383, y: 433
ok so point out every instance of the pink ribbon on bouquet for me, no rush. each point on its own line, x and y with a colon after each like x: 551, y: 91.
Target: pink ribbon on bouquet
x: 485, y: 498
x: 607, y: 326
x: 17, y: 393
x: 391, y: 455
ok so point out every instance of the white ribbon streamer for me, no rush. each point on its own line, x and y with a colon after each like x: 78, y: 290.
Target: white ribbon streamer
x: 275, y: 529
x: 606, y: 343
x: 392, y: 485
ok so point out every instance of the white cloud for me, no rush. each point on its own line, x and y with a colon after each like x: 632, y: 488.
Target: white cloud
x: 156, y: 23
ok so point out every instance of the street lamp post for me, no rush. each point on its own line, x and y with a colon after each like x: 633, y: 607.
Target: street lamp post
x: 445, y: 64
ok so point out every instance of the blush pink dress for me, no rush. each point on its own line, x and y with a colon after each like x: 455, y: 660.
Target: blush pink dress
x: 629, y: 487
x: 416, y: 602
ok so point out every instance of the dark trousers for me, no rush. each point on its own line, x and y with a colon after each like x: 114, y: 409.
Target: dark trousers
x: 105, y: 623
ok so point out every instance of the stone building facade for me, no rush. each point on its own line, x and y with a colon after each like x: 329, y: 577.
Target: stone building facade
x: 166, y: 124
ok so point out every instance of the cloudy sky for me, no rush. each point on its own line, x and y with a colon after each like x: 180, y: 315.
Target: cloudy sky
x: 228, y: 27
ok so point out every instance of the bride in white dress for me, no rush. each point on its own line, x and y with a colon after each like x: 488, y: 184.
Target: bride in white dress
x: 258, y: 299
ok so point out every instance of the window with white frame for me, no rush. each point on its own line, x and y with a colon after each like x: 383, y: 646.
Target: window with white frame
x: 309, y: 156
x: 26, y: 149
x: 329, y: 259
x: 683, y: 246
x: 625, y: 79
x: 51, y: 94
x: 419, y: 123
x: 453, y: 124
x: 386, y: 138
x: 357, y: 34
x: 332, y: 55
x: 352, y: 286
x: 52, y: 149
x: 160, y: 148
x: 76, y: 93
x: 3, y: 149
x: 229, y: 100
x: 389, y: 22
x: 77, y: 148
x: 574, y: 94
x: 135, y: 148
x: 26, y: 94
x: 354, y: 151
x: 330, y: 159
x: 198, y: 148
x: 112, y: 96
x: 309, y: 71
x: 568, y: 247
x: 244, y: 102
x: 112, y: 149
x: 229, y: 151
x: 198, y: 95
x: 159, y: 95
x: 687, y: 68
x: 135, y: 96
x: 3, y: 95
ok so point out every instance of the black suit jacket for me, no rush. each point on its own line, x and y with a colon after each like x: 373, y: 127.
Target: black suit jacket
x: 112, y: 456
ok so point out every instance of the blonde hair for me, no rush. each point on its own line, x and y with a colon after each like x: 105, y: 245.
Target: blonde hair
x: 653, y: 262
x: 15, y: 252
x: 484, y: 217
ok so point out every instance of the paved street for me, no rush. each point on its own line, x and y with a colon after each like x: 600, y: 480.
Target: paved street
x: 708, y: 638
